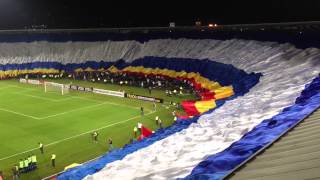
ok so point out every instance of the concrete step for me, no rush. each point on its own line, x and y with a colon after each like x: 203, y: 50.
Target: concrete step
x: 301, y: 138
x: 314, y: 129
x: 286, y: 140
x: 258, y: 163
x: 293, y: 152
x: 281, y: 168
x: 313, y: 173
x: 297, y: 141
x: 314, y: 117
x: 309, y: 122
x: 293, y: 146
x: 306, y: 126
x: 302, y: 134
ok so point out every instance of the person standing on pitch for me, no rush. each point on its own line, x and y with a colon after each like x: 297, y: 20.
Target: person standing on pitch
x: 149, y: 89
x: 154, y: 106
x: 160, y: 123
x: 1, y: 175
x: 41, y: 147
x: 110, y: 144
x: 21, y: 165
x: 34, y: 161
x: 95, y: 136
x: 26, y: 165
x: 135, y: 131
x: 53, y: 160
x: 15, y: 172
x: 142, y: 111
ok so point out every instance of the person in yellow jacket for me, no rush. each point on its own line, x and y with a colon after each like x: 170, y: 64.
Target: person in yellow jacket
x: 135, y: 131
x: 41, y: 147
x: 53, y: 160
x: 21, y: 165
x: 29, y: 159
x: 34, y: 160
x: 26, y: 165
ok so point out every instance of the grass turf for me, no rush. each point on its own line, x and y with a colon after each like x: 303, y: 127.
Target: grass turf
x: 63, y: 124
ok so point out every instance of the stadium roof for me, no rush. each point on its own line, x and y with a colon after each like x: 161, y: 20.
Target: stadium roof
x: 52, y: 14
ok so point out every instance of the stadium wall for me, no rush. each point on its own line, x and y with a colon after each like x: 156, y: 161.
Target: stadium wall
x: 285, y: 69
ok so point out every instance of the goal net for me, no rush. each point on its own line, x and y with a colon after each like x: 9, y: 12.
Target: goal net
x: 56, y: 87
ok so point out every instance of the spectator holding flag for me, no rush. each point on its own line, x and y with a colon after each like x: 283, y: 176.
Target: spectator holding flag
x: 143, y: 132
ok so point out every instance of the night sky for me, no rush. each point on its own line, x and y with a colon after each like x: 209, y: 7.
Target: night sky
x: 18, y: 14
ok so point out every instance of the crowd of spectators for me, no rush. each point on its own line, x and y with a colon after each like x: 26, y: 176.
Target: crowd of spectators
x: 135, y: 79
x: 172, y: 86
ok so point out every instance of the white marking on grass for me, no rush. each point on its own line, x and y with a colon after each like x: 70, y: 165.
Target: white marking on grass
x: 73, y: 110
x: 5, y: 87
x: 20, y: 114
x: 75, y: 97
x: 75, y: 136
x: 66, y: 112
x: 43, y: 98
x: 111, y: 103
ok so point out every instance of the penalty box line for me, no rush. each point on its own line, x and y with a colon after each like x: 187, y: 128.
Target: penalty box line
x: 54, y: 115
x: 84, y: 98
x: 74, y: 110
x: 73, y: 97
x: 75, y: 136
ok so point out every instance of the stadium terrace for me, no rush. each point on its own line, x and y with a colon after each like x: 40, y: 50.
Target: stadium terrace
x: 184, y: 103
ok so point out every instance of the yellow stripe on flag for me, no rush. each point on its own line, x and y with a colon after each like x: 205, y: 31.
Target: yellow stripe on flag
x: 203, y: 106
x: 223, y: 92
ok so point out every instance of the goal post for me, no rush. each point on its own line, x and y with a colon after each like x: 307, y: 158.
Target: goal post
x: 56, y: 87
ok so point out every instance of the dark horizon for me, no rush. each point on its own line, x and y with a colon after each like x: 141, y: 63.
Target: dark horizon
x: 20, y: 14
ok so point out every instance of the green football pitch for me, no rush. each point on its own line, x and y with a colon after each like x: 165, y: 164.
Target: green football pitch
x: 63, y: 123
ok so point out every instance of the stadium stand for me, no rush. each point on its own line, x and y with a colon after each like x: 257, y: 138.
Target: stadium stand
x: 275, y: 86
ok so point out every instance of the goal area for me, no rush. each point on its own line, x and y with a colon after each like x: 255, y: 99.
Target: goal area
x: 56, y: 87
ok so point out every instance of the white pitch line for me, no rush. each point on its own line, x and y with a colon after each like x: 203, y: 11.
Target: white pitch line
x: 75, y: 136
x: 5, y: 87
x: 111, y: 103
x: 78, y: 97
x: 43, y: 98
x: 62, y: 113
x: 21, y: 114
x: 37, y: 97
x: 66, y: 112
